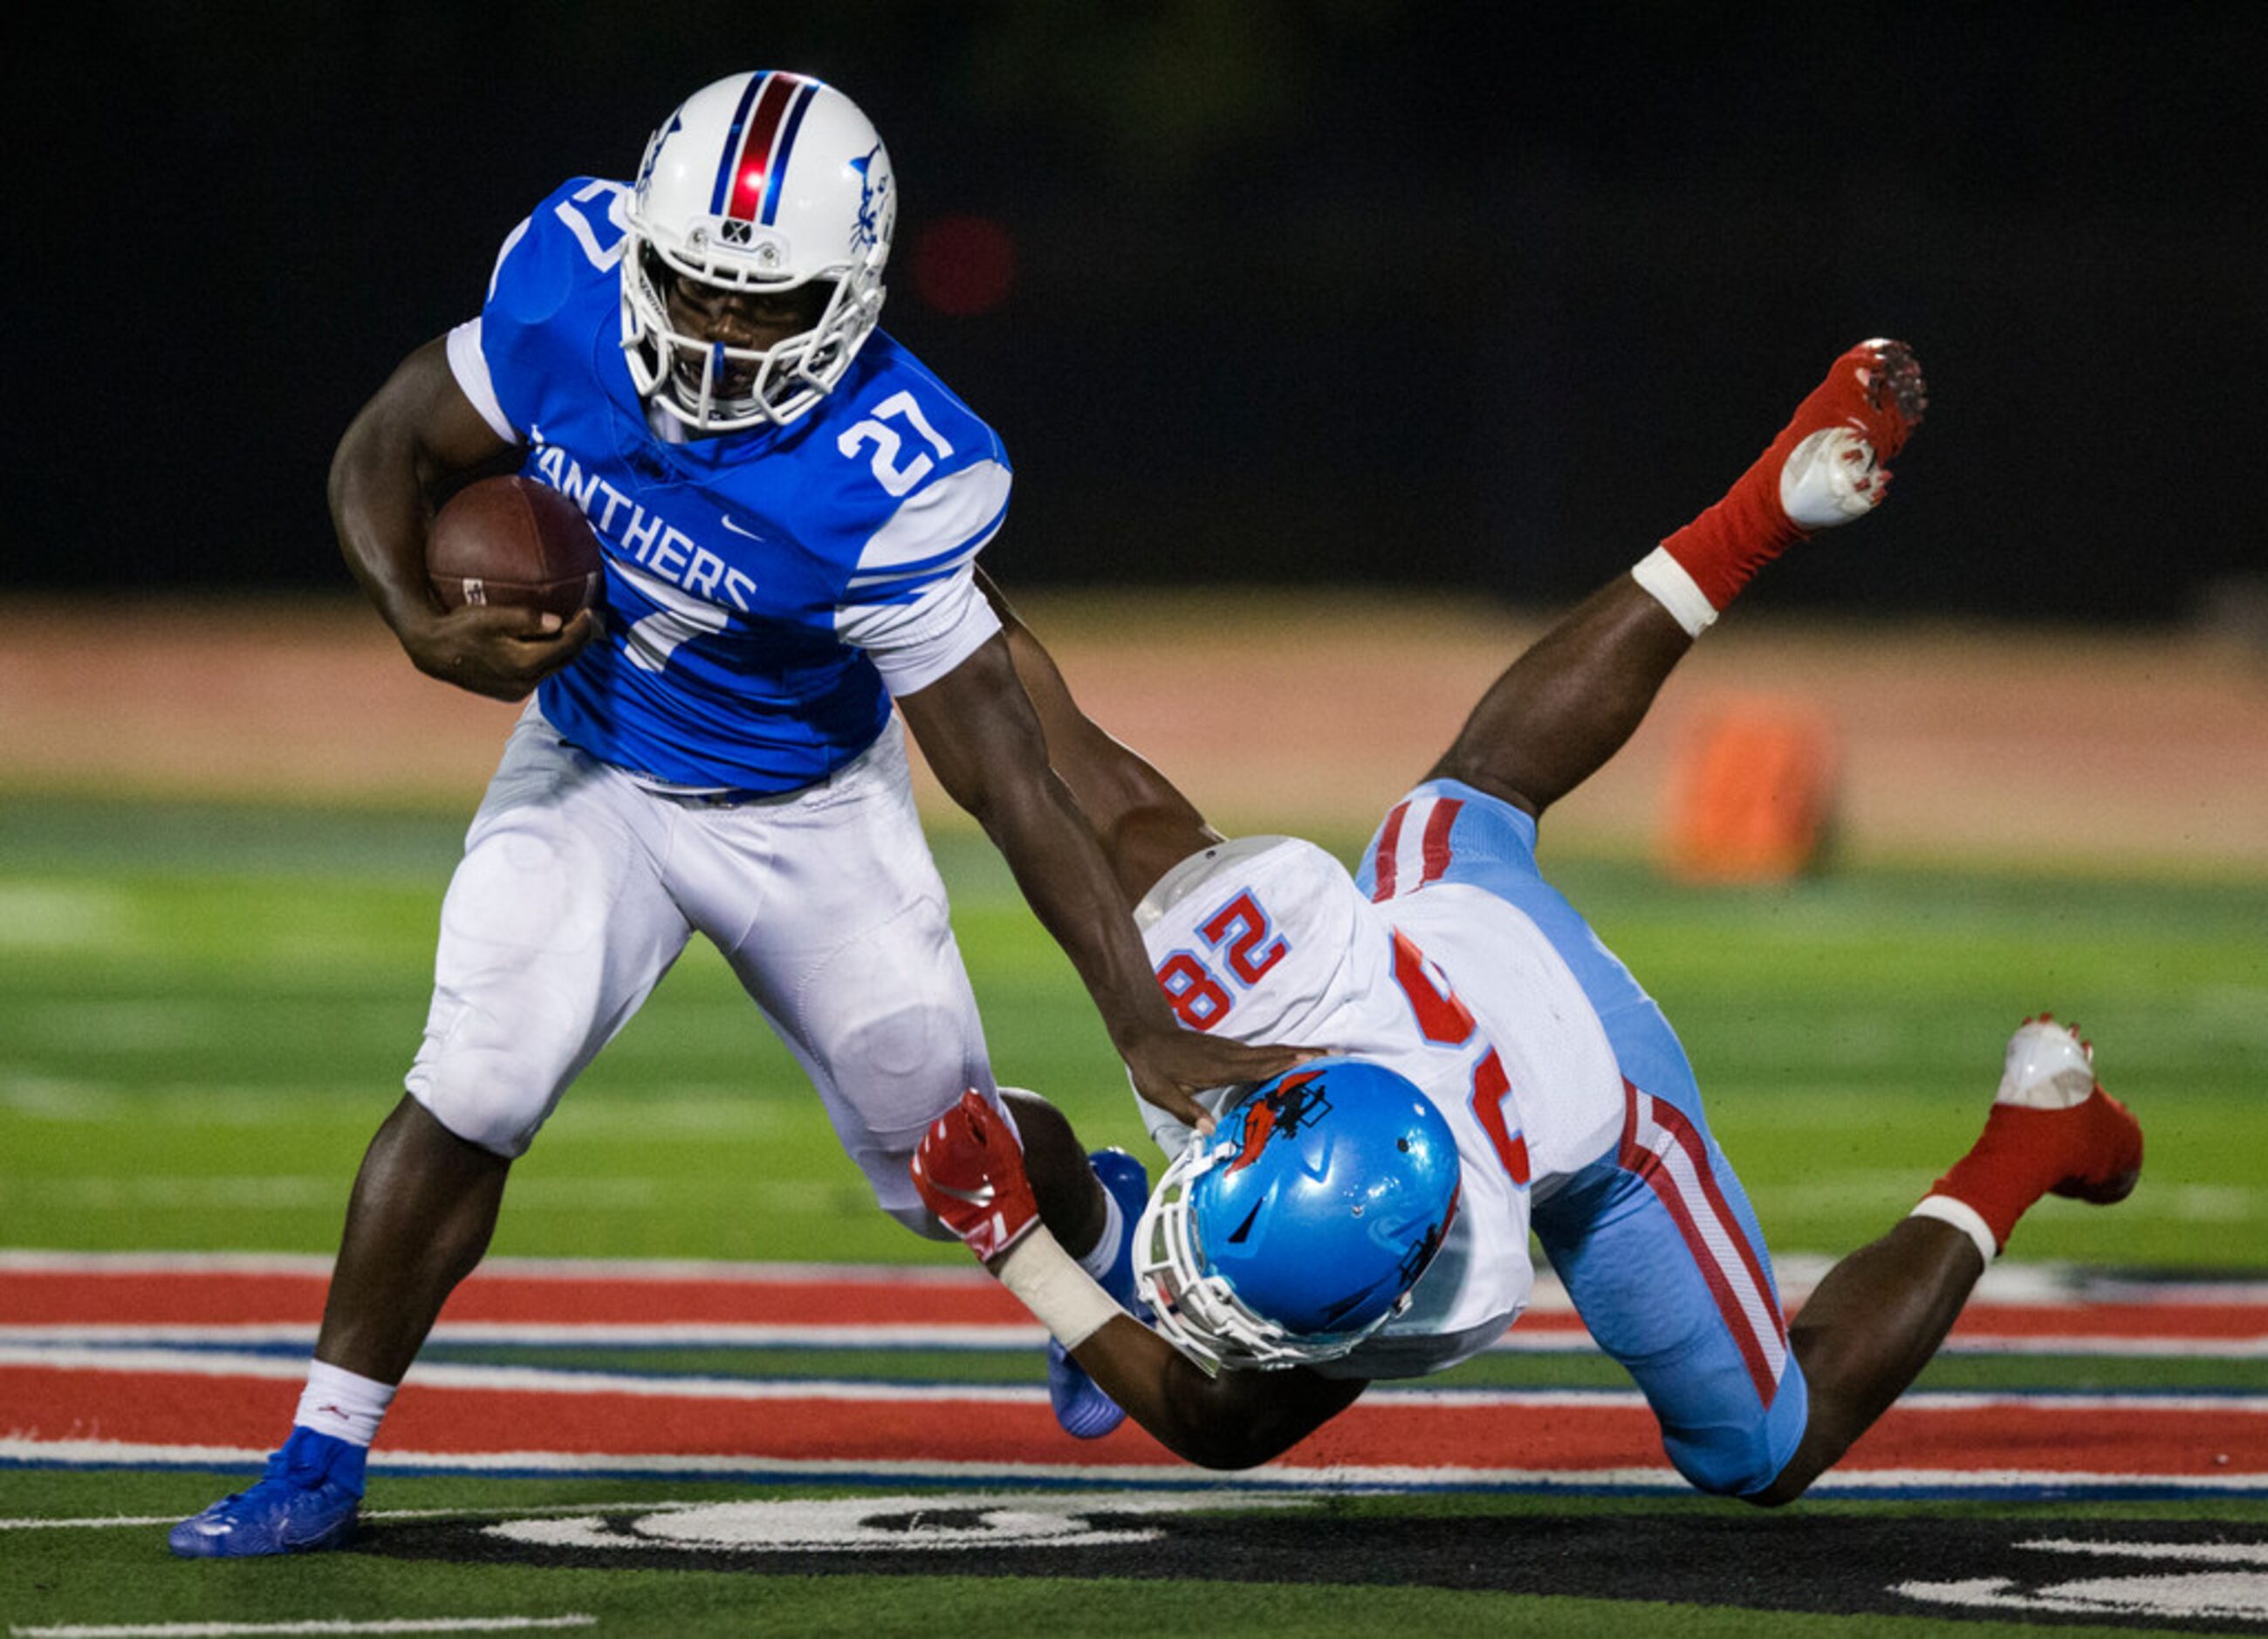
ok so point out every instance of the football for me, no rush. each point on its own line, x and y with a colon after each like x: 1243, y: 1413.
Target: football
x: 513, y: 541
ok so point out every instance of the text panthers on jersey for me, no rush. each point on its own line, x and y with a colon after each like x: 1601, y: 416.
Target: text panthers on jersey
x: 766, y: 591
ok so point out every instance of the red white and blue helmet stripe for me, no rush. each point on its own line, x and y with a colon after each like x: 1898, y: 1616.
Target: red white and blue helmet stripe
x: 758, y: 145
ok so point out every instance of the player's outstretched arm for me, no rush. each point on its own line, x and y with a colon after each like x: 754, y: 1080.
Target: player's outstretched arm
x: 1570, y: 703
x: 970, y: 1170
x: 983, y: 739
x: 402, y: 451
x: 1146, y: 825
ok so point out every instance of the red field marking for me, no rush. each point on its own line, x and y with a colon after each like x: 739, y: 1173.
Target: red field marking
x: 127, y: 1297
x: 1568, y: 1433
x: 142, y: 1297
x: 2196, y: 1322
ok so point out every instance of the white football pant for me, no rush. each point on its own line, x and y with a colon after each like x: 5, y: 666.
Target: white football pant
x: 578, y: 889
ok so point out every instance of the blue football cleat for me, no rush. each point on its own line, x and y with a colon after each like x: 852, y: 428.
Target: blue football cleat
x: 306, y: 1500
x: 1081, y: 1405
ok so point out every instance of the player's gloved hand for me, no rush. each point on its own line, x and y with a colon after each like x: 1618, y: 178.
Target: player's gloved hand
x: 969, y: 1170
x: 1171, y: 1066
x: 493, y: 649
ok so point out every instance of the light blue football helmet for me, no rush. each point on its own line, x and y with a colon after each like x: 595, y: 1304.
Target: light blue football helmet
x: 1298, y: 1230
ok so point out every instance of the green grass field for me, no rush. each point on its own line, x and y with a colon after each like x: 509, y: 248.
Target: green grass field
x: 204, y: 1012
x: 205, y: 1009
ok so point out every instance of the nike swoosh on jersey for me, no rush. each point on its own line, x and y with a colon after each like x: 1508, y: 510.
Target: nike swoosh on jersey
x: 748, y: 534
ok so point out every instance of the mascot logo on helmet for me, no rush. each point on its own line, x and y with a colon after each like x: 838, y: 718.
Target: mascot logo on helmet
x: 653, y: 149
x: 873, y: 192
x: 1291, y: 1104
x: 1419, y: 1258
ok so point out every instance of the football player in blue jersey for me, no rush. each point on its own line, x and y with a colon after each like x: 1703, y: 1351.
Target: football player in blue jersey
x: 1496, y: 1071
x: 790, y: 508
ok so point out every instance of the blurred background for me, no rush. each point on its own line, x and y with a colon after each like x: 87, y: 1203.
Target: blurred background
x: 1446, y: 297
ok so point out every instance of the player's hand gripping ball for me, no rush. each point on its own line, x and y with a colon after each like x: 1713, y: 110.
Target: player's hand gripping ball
x: 513, y: 542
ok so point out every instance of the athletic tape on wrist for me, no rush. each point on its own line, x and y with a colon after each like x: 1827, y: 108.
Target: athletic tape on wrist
x: 1674, y: 587
x: 1061, y: 1296
x: 1961, y: 1217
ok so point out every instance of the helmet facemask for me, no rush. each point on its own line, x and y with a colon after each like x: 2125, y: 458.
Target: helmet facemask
x: 713, y: 388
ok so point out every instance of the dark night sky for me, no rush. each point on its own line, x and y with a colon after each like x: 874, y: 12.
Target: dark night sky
x: 1436, y: 295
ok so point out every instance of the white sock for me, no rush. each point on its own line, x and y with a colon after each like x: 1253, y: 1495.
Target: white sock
x: 1104, y: 1253
x: 337, y: 1402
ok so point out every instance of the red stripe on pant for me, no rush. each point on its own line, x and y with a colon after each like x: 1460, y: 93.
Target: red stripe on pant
x: 1390, y: 840
x: 1436, y: 839
x: 1657, y: 1177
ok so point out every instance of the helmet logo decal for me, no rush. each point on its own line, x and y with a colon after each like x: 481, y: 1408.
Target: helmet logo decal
x: 873, y: 193
x: 660, y: 141
x: 756, y: 145
x: 1420, y: 1256
x: 1236, y: 1237
x: 1292, y: 1104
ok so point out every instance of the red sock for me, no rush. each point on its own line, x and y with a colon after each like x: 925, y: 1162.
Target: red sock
x: 1740, y: 534
x: 2092, y: 1151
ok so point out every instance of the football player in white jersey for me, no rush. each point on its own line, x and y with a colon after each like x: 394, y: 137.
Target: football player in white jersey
x: 790, y: 508
x: 1367, y: 1216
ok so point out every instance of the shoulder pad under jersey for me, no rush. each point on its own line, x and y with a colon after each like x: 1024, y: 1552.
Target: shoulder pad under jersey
x: 917, y: 482
x: 569, y: 243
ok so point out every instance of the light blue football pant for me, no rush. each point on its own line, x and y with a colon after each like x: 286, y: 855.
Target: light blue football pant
x: 1655, y: 1240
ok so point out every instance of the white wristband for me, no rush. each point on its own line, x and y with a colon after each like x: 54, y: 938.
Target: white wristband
x: 1061, y: 1296
x: 1961, y: 1217
x: 1675, y: 590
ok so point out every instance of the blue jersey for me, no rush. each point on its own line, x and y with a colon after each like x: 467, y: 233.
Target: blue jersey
x: 735, y: 565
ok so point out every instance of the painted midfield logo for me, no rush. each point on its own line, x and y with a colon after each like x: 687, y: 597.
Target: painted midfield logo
x: 2188, y: 1581
x: 883, y: 1524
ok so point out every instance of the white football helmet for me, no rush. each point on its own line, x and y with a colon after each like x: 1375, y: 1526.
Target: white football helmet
x: 763, y: 182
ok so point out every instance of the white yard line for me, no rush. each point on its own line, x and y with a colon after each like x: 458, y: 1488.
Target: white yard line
x: 1796, y: 1273
x: 695, y: 1334
x: 1275, y: 1479
x: 539, y: 1379
x: 978, y: 1336
x: 107, y: 1522
x: 35, y: 1260
x: 520, y: 1379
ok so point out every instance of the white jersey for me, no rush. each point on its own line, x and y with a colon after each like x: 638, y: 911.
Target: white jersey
x: 1268, y: 939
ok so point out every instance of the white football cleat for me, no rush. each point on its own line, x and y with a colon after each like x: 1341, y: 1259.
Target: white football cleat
x: 2050, y: 1070
x: 1870, y: 403
x: 2048, y: 1066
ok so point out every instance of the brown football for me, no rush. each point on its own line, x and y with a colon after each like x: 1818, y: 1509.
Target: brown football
x: 513, y: 541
